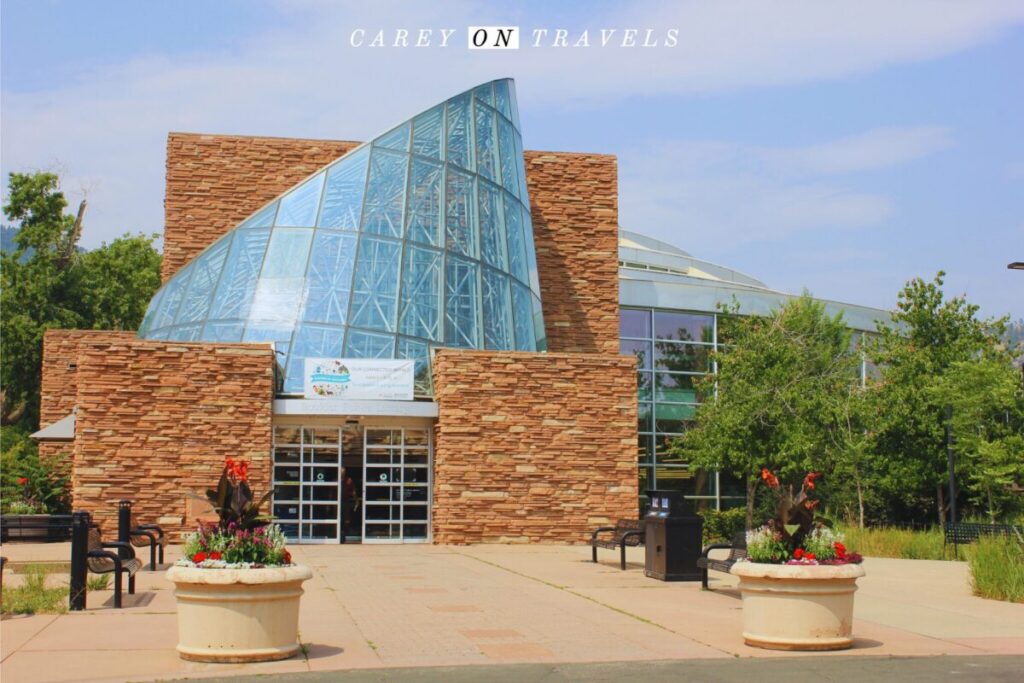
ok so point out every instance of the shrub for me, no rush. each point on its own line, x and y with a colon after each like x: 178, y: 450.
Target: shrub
x: 902, y: 544
x: 997, y: 569
x: 29, y: 484
x: 721, y: 525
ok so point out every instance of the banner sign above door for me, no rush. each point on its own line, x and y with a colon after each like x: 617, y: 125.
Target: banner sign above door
x: 359, y: 378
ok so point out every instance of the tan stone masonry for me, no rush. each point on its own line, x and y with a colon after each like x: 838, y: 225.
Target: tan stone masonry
x: 532, y: 447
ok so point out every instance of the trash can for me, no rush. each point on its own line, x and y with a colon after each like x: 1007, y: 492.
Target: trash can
x: 673, y: 538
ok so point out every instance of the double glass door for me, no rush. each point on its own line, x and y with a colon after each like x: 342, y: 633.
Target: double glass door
x: 396, y: 485
x: 345, y: 483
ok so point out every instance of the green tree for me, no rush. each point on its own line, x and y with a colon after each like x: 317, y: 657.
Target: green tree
x: 988, y: 426
x: 929, y: 335
x: 775, y: 394
x: 47, y: 282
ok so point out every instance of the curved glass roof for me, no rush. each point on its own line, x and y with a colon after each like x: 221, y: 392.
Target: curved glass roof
x: 419, y: 238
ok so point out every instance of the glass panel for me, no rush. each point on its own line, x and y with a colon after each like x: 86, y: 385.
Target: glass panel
x: 206, y: 272
x: 185, y: 333
x: 299, y: 207
x: 513, y: 102
x: 382, y: 531
x: 672, y: 418
x: 518, y: 266
x: 374, y: 301
x: 420, y: 352
x: 682, y: 479
x: 643, y: 421
x: 646, y: 483
x: 321, y: 436
x: 174, y: 292
x: 462, y: 304
x: 492, y: 226
x: 677, y: 388
x: 531, y: 255
x: 287, y: 254
x: 640, y: 349
x: 383, y: 437
x: 683, y: 326
x: 311, y: 341
x: 428, y: 133
x: 486, y: 144
x: 522, y: 318
x: 330, y: 277
x: 634, y: 323
x: 497, y: 311
x: 395, y: 139
x: 151, y: 311
x: 287, y: 435
x: 678, y: 357
x: 369, y: 345
x: 458, y: 150
x: 424, y: 210
x: 223, y: 332
x: 416, y: 437
x: 343, y: 196
x: 421, y: 293
x: 643, y: 386
x: 501, y: 98
x: 484, y: 94
x: 540, y: 334
x: 241, y: 270
x: 507, y: 148
x: 460, y: 212
x: 264, y: 218
x: 521, y: 171
x: 385, y: 193
x: 644, y: 448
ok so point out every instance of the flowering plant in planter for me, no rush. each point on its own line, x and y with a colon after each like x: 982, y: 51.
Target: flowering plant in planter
x: 242, y: 537
x: 794, y: 535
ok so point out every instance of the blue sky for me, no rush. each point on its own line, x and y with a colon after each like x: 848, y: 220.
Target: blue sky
x: 841, y: 147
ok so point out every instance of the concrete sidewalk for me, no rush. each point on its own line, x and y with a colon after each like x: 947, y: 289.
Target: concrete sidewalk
x: 371, y: 607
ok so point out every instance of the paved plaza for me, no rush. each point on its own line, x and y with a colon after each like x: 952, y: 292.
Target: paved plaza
x: 374, y: 607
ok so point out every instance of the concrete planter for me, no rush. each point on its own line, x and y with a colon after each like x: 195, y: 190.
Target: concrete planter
x: 238, y: 615
x: 797, y: 607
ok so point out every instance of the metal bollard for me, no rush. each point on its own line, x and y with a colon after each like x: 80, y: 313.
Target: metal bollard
x: 80, y: 522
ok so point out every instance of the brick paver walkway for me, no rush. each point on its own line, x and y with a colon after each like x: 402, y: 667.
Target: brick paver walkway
x: 427, y: 606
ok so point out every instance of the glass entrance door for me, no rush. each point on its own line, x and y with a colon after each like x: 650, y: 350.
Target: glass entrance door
x: 307, y: 486
x: 396, y: 486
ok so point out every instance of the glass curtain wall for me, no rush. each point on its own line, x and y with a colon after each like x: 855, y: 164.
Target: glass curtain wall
x: 420, y: 238
x: 673, y: 351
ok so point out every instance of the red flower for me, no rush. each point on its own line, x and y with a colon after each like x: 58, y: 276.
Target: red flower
x: 808, y: 556
x: 199, y: 557
x: 769, y: 478
x: 287, y: 557
x: 798, y: 553
x: 809, y: 480
x: 215, y: 556
x: 840, y: 550
x: 22, y: 481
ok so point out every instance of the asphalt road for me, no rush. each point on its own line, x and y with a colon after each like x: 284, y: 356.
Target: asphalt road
x: 782, y: 670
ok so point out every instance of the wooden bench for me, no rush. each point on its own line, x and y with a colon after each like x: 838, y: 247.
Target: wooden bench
x: 101, y: 560
x: 625, y: 532
x: 965, y: 533
x: 737, y: 551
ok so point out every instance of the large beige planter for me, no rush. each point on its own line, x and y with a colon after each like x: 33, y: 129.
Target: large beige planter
x: 798, y: 607
x: 238, y: 615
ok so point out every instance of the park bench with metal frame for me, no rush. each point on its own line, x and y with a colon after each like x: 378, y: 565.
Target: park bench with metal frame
x: 737, y: 551
x: 964, y: 533
x: 626, y: 532
x: 142, y: 535
x: 35, y: 528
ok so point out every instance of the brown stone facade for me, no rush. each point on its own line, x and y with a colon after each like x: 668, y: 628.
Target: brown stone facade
x: 575, y: 211
x: 156, y: 420
x: 532, y: 447
x: 215, y: 181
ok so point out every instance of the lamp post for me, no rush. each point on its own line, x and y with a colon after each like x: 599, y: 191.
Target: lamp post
x: 949, y: 462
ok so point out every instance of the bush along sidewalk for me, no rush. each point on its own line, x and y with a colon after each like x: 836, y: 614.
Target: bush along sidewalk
x: 997, y: 569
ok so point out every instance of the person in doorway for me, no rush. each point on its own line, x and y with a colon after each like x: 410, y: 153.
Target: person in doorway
x: 349, y: 503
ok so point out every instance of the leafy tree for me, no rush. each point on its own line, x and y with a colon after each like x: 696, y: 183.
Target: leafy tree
x: 47, y: 282
x: 988, y: 426
x: 776, y: 386
x: 930, y: 334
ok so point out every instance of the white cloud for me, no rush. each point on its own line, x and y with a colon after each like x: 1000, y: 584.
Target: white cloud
x: 109, y: 128
x: 867, y: 151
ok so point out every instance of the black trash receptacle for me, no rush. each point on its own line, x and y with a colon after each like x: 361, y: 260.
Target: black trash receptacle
x: 673, y: 538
